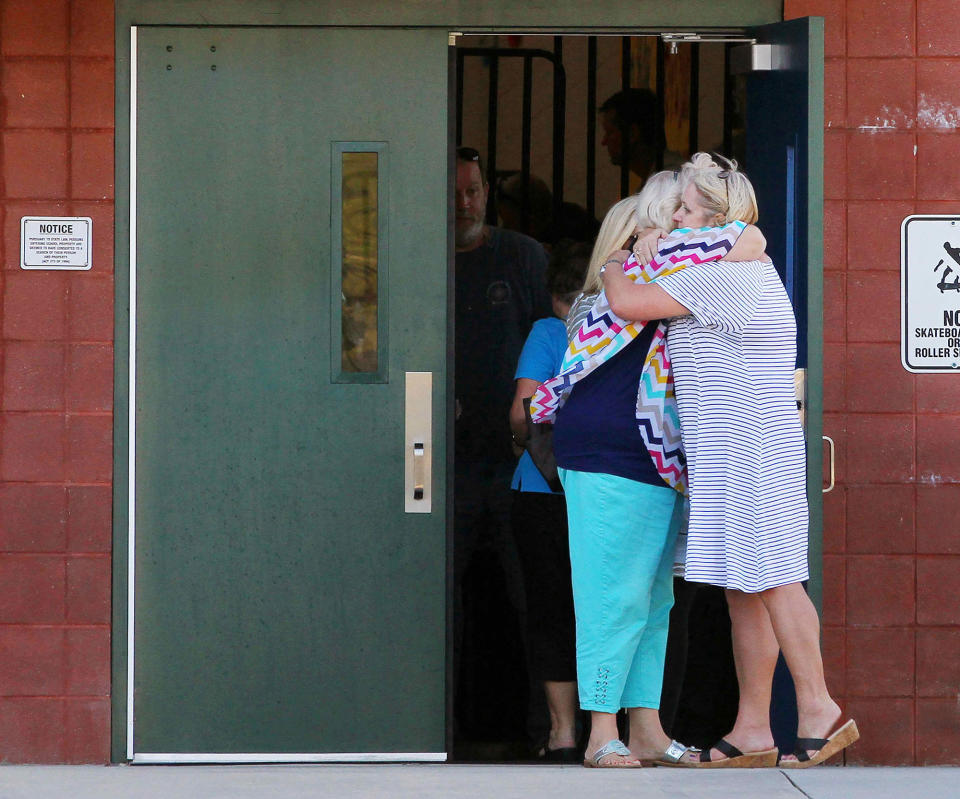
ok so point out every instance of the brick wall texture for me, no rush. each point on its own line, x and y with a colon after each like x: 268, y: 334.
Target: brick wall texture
x: 892, y: 526
x: 891, y: 541
x: 56, y: 362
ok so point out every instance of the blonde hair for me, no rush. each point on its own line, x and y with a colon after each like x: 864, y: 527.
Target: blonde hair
x: 723, y: 189
x: 618, y: 225
x: 653, y: 207
x: 658, y: 201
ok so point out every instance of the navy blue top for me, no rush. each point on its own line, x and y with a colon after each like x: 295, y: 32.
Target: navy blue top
x: 596, y: 429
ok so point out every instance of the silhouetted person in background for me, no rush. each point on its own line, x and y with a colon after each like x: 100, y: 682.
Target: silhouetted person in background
x: 542, y: 221
x: 633, y: 132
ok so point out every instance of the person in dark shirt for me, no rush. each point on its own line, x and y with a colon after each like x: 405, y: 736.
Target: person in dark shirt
x: 500, y: 291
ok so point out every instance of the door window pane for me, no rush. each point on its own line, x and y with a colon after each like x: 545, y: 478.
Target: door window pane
x: 359, y: 275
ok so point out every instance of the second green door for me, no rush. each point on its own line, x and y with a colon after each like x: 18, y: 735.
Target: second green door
x: 290, y: 272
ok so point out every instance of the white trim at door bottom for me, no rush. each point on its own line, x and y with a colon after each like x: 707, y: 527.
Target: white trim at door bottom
x: 332, y: 757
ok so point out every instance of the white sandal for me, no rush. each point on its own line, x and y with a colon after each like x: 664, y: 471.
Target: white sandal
x: 673, y: 756
x: 614, y: 747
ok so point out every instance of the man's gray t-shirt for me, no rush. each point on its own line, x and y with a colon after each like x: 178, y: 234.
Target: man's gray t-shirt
x: 500, y: 293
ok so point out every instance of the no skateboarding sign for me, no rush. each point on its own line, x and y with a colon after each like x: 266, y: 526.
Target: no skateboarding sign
x: 930, y: 293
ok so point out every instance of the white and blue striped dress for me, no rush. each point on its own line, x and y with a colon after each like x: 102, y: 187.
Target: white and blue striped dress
x: 733, y: 360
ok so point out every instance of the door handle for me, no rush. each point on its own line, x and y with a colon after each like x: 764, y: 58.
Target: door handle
x: 833, y: 473
x: 417, y: 444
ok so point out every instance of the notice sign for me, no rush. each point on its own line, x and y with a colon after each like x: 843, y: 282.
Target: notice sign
x: 55, y: 242
x: 930, y: 293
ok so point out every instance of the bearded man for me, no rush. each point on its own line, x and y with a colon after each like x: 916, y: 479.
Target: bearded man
x: 500, y: 292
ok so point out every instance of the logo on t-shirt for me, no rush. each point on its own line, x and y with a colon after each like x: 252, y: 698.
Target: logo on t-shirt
x: 498, y: 292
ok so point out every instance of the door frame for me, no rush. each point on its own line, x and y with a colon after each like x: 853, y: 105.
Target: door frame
x: 621, y: 17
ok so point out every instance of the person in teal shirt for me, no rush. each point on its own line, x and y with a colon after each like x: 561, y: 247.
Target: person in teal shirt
x: 539, y: 518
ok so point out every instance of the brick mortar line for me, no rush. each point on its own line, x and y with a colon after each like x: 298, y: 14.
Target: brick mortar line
x: 914, y: 57
x: 3, y: 254
x: 54, y: 553
x: 67, y: 200
x: 863, y: 129
x: 94, y: 413
x: 60, y: 57
x: 56, y: 129
x: 90, y: 273
x: 61, y: 627
x: 911, y: 482
x: 916, y: 53
x: 59, y: 483
x: 916, y: 556
x: 86, y: 342
x: 918, y: 58
x: 70, y: 412
x: 915, y: 414
x: 895, y: 627
x: 56, y: 697
x: 104, y: 203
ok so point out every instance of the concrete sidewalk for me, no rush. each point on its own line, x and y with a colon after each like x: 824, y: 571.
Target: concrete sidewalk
x: 468, y: 782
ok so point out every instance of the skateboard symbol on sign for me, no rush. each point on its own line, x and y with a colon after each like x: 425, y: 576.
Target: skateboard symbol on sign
x: 943, y: 285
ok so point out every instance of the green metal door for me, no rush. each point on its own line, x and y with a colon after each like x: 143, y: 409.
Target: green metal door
x: 289, y: 220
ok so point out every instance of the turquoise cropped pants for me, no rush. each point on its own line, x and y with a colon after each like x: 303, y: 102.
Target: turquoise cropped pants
x: 622, y: 537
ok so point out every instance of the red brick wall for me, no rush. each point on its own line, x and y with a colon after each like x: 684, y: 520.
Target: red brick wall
x: 56, y: 360
x: 892, y: 526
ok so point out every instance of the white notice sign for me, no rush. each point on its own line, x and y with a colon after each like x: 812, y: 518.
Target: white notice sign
x: 930, y: 293
x: 55, y: 242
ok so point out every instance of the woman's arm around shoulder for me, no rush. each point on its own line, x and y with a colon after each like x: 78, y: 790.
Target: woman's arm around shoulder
x: 636, y: 302
x: 750, y: 246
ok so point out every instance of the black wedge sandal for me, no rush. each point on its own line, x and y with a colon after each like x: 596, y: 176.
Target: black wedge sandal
x: 844, y: 733
x: 737, y: 759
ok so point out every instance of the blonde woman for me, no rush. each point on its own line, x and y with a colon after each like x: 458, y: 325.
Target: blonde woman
x: 640, y: 213
x: 619, y: 225
x: 651, y: 209
x: 732, y: 339
x: 622, y: 510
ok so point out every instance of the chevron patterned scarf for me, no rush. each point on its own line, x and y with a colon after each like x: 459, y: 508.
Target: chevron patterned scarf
x: 603, y: 334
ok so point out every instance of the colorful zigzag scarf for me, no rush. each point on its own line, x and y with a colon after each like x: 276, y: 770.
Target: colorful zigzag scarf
x: 603, y: 334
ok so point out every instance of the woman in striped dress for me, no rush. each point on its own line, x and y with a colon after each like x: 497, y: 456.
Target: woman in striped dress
x: 732, y: 344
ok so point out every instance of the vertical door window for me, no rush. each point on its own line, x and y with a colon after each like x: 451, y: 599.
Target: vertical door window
x: 359, y: 268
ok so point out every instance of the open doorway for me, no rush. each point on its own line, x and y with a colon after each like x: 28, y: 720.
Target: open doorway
x: 530, y: 106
